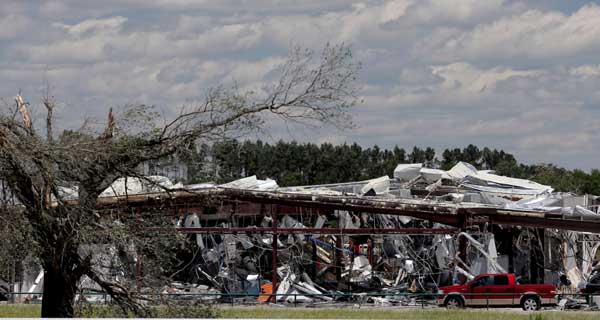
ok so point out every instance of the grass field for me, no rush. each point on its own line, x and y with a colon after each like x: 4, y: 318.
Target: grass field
x: 19, y: 311
x: 32, y: 311
x: 406, y: 314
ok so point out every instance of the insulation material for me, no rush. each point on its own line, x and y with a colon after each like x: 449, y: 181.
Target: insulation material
x: 348, y: 221
x: 461, y: 170
x: 266, y: 184
x: 284, y: 288
x: 245, y: 241
x: 492, y: 258
x: 193, y: 221
x: 380, y: 185
x: 133, y: 185
x: 68, y: 193
x: 289, y: 222
x: 407, y: 171
x: 199, y: 186
x: 433, y: 175
x: 244, y: 183
x: 251, y: 183
x: 360, y: 270
x: 589, y: 249
x: 489, y: 256
x: 320, y: 222
x: 230, y: 248
x: 486, y: 182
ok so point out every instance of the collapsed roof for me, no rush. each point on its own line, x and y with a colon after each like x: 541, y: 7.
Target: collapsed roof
x: 466, y: 176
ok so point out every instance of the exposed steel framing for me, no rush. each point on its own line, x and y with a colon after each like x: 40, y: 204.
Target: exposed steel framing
x: 455, y: 215
x: 334, y: 231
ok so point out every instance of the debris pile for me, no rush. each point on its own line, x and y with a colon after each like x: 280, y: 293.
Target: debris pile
x: 319, y: 268
x: 410, y: 234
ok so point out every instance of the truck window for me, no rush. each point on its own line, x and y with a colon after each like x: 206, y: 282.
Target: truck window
x: 484, y: 281
x: 501, y: 280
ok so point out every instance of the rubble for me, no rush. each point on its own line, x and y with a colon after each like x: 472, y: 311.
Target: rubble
x: 264, y: 248
x: 312, y: 268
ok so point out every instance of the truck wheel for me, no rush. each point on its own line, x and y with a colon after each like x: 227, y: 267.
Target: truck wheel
x: 530, y: 303
x: 453, y: 303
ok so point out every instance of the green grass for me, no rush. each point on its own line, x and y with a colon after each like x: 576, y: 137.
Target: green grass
x: 20, y: 310
x: 406, y: 314
x: 33, y: 311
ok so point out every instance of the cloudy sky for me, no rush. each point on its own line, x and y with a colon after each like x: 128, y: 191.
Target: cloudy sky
x: 523, y: 76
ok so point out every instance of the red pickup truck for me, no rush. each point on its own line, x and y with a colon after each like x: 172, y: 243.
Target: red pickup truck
x: 497, y: 290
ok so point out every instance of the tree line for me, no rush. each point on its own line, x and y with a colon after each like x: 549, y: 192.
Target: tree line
x: 293, y: 163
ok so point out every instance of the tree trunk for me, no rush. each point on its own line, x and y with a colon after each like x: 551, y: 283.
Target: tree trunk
x: 59, y: 294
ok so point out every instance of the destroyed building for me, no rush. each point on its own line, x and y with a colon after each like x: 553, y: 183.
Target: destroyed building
x: 411, y: 233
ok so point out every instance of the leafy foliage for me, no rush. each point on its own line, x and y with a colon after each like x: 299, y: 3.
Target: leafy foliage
x: 293, y: 163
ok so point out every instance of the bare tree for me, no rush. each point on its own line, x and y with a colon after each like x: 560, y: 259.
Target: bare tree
x: 314, y: 88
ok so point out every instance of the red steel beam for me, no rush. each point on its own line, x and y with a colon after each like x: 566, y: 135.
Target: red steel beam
x: 274, y: 252
x: 442, y: 212
x: 562, y: 224
x: 359, y: 231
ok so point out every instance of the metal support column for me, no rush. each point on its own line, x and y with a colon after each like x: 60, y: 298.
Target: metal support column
x: 315, y: 259
x: 462, y: 248
x: 370, y: 251
x: 338, y: 258
x: 274, y: 252
x: 511, y: 253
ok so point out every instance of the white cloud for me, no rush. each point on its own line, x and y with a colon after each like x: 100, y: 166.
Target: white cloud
x: 559, y: 143
x: 436, y: 11
x: 533, y: 34
x: 509, y: 74
x: 463, y: 76
x: 14, y: 26
x: 111, y: 25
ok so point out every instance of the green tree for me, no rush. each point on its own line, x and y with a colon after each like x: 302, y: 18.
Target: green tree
x: 472, y: 155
